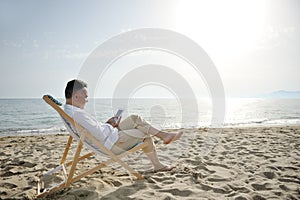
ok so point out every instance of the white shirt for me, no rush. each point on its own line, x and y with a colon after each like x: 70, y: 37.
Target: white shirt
x: 105, y: 133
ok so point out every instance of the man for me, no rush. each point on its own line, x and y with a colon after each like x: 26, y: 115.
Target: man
x: 117, y: 136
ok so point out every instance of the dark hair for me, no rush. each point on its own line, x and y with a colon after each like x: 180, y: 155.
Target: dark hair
x: 73, y: 86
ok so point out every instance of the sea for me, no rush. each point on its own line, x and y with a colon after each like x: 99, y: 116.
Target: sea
x: 35, y: 117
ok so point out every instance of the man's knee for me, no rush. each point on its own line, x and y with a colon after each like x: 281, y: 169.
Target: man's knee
x: 134, y: 117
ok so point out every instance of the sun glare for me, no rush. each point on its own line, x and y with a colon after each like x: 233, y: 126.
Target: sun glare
x: 222, y: 28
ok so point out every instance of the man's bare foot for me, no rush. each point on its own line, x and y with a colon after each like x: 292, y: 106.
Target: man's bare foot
x: 163, y: 169
x: 171, y: 137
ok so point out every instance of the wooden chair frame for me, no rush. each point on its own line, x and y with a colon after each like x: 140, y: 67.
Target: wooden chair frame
x: 85, y: 134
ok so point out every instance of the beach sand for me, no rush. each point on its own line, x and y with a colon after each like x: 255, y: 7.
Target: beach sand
x: 237, y: 163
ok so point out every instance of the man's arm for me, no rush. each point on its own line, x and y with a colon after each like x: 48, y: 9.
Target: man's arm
x: 91, y: 124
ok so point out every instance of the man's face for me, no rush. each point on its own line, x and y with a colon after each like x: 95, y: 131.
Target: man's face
x: 80, y: 98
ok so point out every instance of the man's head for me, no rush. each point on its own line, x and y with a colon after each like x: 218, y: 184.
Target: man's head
x: 76, y: 93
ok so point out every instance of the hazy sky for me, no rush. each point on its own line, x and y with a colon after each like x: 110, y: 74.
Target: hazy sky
x: 254, y: 44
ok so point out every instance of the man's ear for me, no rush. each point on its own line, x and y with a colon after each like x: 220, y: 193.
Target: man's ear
x: 75, y: 95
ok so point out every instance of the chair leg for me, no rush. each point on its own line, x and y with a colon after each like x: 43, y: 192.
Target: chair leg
x: 63, y: 159
x: 75, y: 160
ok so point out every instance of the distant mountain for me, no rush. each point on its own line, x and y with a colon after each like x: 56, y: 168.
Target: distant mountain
x: 281, y: 94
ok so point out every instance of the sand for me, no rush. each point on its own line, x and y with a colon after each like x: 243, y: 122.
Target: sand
x: 238, y: 163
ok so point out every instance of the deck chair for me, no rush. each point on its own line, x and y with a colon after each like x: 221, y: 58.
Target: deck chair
x: 84, y: 138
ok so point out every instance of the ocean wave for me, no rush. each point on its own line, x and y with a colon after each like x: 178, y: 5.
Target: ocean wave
x: 34, y: 131
x: 264, y: 122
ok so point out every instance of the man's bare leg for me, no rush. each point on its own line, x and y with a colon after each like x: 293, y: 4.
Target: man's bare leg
x: 165, y: 136
x: 157, y: 165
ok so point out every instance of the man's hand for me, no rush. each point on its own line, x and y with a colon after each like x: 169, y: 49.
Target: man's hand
x: 112, y: 122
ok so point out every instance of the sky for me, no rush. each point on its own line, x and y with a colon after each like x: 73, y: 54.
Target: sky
x: 254, y: 44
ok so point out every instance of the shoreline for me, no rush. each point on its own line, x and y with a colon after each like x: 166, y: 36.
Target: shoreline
x: 241, y: 163
x: 63, y: 131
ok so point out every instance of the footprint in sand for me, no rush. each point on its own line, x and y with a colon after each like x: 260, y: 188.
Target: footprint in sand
x: 239, y: 188
x: 224, y: 190
x: 8, y: 185
x: 269, y: 175
x: 9, y: 173
x: 260, y: 187
x: 177, y: 192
